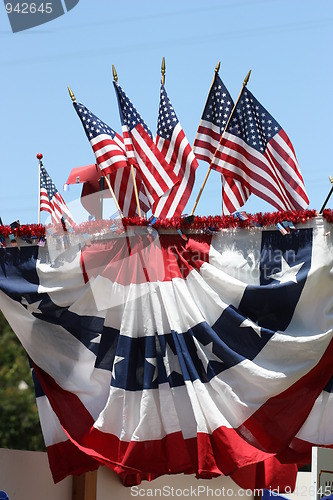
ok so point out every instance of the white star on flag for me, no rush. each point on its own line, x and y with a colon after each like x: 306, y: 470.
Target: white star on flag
x: 205, y: 353
x: 153, y: 362
x: 97, y: 339
x: 171, y: 362
x: 287, y: 272
x: 117, y: 359
x: 248, y: 323
x: 33, y: 307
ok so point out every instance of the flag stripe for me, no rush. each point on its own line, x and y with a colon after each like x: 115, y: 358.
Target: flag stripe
x: 291, y: 175
x: 234, y: 194
x: 148, y: 150
x: 237, y: 159
x: 206, y: 141
x: 292, y: 189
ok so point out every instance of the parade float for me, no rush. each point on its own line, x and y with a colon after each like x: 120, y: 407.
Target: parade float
x: 163, y: 343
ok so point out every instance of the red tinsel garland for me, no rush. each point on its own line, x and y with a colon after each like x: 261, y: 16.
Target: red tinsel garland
x: 25, y: 231
x: 328, y: 215
x: 214, y: 223
x: 230, y: 221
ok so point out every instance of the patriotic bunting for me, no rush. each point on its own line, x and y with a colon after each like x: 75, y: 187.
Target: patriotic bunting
x: 156, y: 354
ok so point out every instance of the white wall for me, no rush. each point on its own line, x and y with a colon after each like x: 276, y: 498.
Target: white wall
x: 25, y: 475
x: 110, y: 487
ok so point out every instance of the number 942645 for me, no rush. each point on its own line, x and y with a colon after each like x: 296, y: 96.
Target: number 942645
x: 29, y: 8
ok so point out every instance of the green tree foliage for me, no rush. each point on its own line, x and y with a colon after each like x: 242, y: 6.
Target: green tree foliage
x: 19, y: 420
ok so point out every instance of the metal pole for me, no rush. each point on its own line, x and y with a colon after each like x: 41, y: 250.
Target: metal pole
x: 328, y: 196
x: 101, y: 189
x: 39, y: 157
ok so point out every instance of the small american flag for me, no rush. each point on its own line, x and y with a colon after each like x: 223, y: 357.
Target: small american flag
x: 51, y: 200
x: 214, y: 118
x: 142, y: 152
x: 111, y: 156
x: 174, y: 146
x: 108, y: 146
x: 257, y: 152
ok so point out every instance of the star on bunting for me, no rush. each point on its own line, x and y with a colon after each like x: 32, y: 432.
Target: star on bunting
x: 287, y: 272
x: 117, y: 359
x: 153, y: 362
x: 205, y: 353
x: 248, y: 323
x: 171, y: 362
x: 32, y: 308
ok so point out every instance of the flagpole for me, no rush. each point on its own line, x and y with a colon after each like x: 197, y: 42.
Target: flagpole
x: 101, y: 189
x: 217, y: 69
x: 225, y: 128
x: 39, y: 157
x: 115, y: 77
x: 328, y: 196
x: 163, y: 71
x: 72, y: 96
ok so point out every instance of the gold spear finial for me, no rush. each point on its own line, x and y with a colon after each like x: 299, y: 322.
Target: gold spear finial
x: 163, y: 70
x: 217, y: 69
x: 72, y: 96
x: 114, y: 72
x: 247, y: 78
x: 331, y: 179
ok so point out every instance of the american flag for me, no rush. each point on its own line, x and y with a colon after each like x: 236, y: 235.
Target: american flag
x: 256, y: 151
x: 51, y: 200
x: 110, y: 152
x: 174, y: 146
x: 142, y: 152
x: 108, y: 146
x: 214, y: 118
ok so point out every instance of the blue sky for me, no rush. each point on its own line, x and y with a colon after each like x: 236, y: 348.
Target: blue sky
x: 286, y: 43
